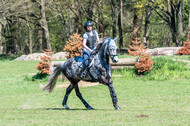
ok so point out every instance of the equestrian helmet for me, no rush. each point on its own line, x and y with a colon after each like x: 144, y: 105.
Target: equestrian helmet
x: 88, y: 23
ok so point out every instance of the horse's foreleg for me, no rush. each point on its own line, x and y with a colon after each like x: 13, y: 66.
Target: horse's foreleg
x: 68, y: 91
x: 113, y: 96
x: 79, y: 95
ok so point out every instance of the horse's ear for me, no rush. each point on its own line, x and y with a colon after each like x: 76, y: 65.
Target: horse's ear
x: 115, y: 39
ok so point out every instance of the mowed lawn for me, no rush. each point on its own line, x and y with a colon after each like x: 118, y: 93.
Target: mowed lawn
x: 148, y: 103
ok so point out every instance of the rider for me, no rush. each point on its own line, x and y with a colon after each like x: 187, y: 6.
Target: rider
x: 89, y: 39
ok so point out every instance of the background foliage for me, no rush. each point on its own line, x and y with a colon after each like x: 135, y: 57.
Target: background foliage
x: 28, y: 26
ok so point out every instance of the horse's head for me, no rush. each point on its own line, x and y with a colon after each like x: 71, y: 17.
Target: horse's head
x: 111, y: 49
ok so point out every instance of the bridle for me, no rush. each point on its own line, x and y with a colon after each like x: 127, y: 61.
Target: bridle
x: 108, y: 44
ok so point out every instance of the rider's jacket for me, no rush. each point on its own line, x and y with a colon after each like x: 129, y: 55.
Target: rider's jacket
x: 91, y: 39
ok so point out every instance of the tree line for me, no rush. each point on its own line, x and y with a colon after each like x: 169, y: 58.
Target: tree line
x: 28, y: 26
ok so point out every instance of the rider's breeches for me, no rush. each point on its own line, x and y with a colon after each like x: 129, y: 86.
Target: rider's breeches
x: 86, y: 54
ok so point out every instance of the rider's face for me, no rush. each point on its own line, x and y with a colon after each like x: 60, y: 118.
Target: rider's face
x: 89, y: 28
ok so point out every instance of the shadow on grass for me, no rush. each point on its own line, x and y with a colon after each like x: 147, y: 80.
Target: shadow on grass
x: 71, y: 109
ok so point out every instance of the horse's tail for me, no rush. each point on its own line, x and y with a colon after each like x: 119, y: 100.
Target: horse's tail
x: 52, y: 79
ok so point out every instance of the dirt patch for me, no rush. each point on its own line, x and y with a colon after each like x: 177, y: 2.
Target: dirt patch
x: 142, y: 116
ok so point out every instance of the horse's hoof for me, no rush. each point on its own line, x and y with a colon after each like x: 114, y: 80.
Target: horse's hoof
x: 90, y: 108
x: 117, y: 107
x: 66, y: 107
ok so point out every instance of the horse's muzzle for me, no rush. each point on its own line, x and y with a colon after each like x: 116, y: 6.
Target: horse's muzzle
x: 115, y: 59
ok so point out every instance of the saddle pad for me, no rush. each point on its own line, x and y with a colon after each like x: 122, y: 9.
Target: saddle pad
x: 78, y: 59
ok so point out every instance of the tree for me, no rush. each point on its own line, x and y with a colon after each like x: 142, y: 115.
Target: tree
x: 43, y: 24
x: 42, y: 21
x: 10, y: 10
x: 148, y: 13
x: 173, y: 15
x: 120, y: 24
x: 1, y: 43
x: 189, y: 23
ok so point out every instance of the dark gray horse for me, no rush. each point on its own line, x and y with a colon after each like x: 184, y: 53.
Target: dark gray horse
x: 98, y: 70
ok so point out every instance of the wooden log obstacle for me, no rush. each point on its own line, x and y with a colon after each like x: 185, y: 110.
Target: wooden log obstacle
x: 121, y: 64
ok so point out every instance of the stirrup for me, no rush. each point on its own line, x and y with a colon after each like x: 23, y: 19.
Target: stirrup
x: 82, y: 75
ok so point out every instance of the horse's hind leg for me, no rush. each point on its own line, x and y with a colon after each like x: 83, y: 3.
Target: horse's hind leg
x: 81, y: 98
x: 68, y: 91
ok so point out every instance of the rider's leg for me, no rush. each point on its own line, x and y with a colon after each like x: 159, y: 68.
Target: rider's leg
x: 84, y: 68
x: 86, y: 54
x: 68, y: 91
x: 81, y: 98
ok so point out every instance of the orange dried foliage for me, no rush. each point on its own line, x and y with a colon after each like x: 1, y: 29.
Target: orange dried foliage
x: 185, y: 50
x: 74, y: 46
x: 145, y: 62
x: 44, y: 66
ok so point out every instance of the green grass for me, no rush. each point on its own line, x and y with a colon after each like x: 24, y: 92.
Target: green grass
x: 181, y: 57
x: 165, y: 102
x: 4, y: 57
x: 122, y: 56
x: 165, y: 68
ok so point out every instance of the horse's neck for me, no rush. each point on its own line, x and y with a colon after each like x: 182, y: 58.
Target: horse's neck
x: 101, y: 53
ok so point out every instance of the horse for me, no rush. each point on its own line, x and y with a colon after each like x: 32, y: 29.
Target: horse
x: 99, y: 70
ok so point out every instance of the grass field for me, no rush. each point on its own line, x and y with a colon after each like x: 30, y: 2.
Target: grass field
x: 143, y: 102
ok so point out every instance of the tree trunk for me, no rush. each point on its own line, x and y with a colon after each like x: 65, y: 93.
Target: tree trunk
x: 180, y: 24
x: 135, y: 24
x: 147, y: 26
x: 79, y: 22
x: 70, y: 24
x: 101, y: 29
x: 63, y: 21
x: 44, y: 25
x: 29, y: 43
x: 40, y: 37
x: 113, y: 26
x: 173, y: 26
x: 174, y: 36
x: 169, y: 9
x: 113, y: 6
x: 182, y: 10
x: 120, y: 28
x: 189, y: 24
x: 1, y: 43
x: 90, y: 10
x: 102, y: 18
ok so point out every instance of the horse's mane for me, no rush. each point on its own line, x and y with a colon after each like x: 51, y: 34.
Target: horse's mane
x: 99, y: 44
x: 105, y: 38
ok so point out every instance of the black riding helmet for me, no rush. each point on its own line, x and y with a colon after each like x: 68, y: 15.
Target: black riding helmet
x: 88, y: 23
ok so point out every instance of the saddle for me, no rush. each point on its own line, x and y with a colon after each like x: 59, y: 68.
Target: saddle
x: 85, y: 68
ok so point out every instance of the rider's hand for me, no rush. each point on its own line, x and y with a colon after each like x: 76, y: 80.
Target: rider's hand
x: 93, y: 52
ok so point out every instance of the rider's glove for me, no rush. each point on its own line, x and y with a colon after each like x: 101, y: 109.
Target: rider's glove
x: 93, y: 52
